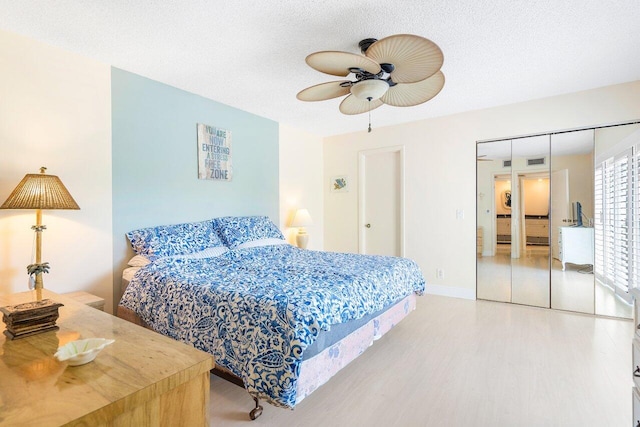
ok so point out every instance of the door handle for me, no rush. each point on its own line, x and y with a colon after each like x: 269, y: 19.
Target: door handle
x: 368, y: 225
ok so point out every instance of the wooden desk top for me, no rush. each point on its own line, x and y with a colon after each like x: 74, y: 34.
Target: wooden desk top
x: 37, y: 390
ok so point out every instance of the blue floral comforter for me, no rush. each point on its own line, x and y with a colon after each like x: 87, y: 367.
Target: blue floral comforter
x: 257, y: 309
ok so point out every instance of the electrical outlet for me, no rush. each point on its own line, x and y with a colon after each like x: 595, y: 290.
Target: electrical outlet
x: 459, y: 214
x: 439, y: 273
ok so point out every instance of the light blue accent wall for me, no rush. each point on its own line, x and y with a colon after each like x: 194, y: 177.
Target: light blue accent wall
x: 155, y: 164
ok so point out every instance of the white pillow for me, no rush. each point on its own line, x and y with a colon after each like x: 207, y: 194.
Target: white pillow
x: 128, y: 273
x: 261, y: 242
x: 138, y: 261
x: 207, y: 253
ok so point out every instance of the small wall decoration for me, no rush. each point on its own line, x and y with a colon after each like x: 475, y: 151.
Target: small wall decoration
x: 339, y: 184
x: 506, y: 199
x: 214, y: 153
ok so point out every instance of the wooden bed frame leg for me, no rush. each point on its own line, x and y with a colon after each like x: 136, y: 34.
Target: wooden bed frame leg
x: 257, y: 411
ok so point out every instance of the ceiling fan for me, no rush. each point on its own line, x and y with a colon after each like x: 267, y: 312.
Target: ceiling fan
x: 481, y: 159
x: 401, y: 70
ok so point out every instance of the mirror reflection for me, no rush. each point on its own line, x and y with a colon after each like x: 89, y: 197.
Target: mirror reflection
x: 494, y: 221
x: 572, y: 233
x: 558, y: 220
x: 530, y: 221
x: 616, y: 218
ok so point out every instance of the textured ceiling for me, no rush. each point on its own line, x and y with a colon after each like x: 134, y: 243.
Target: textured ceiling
x: 250, y: 55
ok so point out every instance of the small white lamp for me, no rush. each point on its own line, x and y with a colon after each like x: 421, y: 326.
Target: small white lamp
x: 301, y: 220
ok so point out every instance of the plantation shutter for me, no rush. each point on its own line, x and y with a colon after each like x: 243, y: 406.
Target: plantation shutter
x: 608, y: 270
x: 598, y: 222
x: 634, y: 218
x: 622, y: 205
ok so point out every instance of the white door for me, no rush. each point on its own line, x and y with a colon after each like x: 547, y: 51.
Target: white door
x: 381, y: 202
x: 560, y: 208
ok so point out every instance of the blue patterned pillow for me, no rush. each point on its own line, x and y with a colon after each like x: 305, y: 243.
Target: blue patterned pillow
x: 169, y: 240
x: 236, y: 230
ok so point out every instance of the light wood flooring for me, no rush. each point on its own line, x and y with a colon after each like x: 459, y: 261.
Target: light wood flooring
x: 456, y: 362
x: 526, y: 280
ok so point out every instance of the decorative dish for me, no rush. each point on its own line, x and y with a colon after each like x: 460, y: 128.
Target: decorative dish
x: 81, y: 351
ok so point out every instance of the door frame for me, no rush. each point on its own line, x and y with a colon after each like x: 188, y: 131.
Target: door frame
x: 362, y: 159
x: 497, y: 176
x: 521, y: 229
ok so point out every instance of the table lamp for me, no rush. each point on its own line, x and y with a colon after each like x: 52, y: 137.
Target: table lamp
x: 39, y: 191
x: 36, y: 191
x: 301, y: 220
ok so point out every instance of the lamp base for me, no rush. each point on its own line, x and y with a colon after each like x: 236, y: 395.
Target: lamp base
x: 302, y: 240
x: 30, y: 318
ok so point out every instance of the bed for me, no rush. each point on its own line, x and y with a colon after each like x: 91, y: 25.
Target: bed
x: 279, y: 320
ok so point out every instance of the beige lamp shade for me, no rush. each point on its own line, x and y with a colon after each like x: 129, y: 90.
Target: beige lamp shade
x: 40, y: 191
x: 301, y: 219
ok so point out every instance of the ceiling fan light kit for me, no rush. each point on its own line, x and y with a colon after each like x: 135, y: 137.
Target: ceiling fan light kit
x: 369, y: 89
x: 401, y: 70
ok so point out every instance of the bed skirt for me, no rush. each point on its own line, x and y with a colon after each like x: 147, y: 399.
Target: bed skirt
x: 317, y: 370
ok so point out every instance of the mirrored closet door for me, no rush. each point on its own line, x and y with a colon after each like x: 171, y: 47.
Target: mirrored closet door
x: 530, y: 221
x: 513, y: 218
x: 494, y: 221
x: 558, y: 219
x: 616, y: 218
x: 572, y: 232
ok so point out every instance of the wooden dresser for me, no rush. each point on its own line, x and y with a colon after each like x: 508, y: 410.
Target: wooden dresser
x: 479, y: 241
x: 503, y: 232
x: 537, y: 231
x: 142, y: 379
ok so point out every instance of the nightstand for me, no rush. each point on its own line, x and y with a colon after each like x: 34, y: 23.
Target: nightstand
x: 87, y: 299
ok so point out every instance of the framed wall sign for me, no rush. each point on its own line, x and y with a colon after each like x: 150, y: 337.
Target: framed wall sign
x: 214, y: 153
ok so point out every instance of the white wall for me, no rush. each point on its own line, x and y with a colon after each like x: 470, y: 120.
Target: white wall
x: 440, y: 174
x: 301, y: 183
x: 55, y: 111
x: 581, y: 170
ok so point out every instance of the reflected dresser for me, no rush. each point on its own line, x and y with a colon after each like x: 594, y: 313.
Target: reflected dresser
x: 576, y: 245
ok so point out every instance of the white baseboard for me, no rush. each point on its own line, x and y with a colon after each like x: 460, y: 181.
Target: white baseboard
x: 451, y: 291
x: 487, y: 253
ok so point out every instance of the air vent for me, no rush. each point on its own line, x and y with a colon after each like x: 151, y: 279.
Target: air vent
x: 536, y: 162
x: 506, y: 163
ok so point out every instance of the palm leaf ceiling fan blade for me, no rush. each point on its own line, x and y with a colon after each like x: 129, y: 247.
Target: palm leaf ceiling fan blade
x: 414, y: 58
x: 341, y: 63
x: 410, y: 94
x: 352, y: 105
x: 401, y: 70
x: 324, y: 91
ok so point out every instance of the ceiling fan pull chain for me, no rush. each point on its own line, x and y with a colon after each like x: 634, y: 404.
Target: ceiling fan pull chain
x: 369, y: 114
